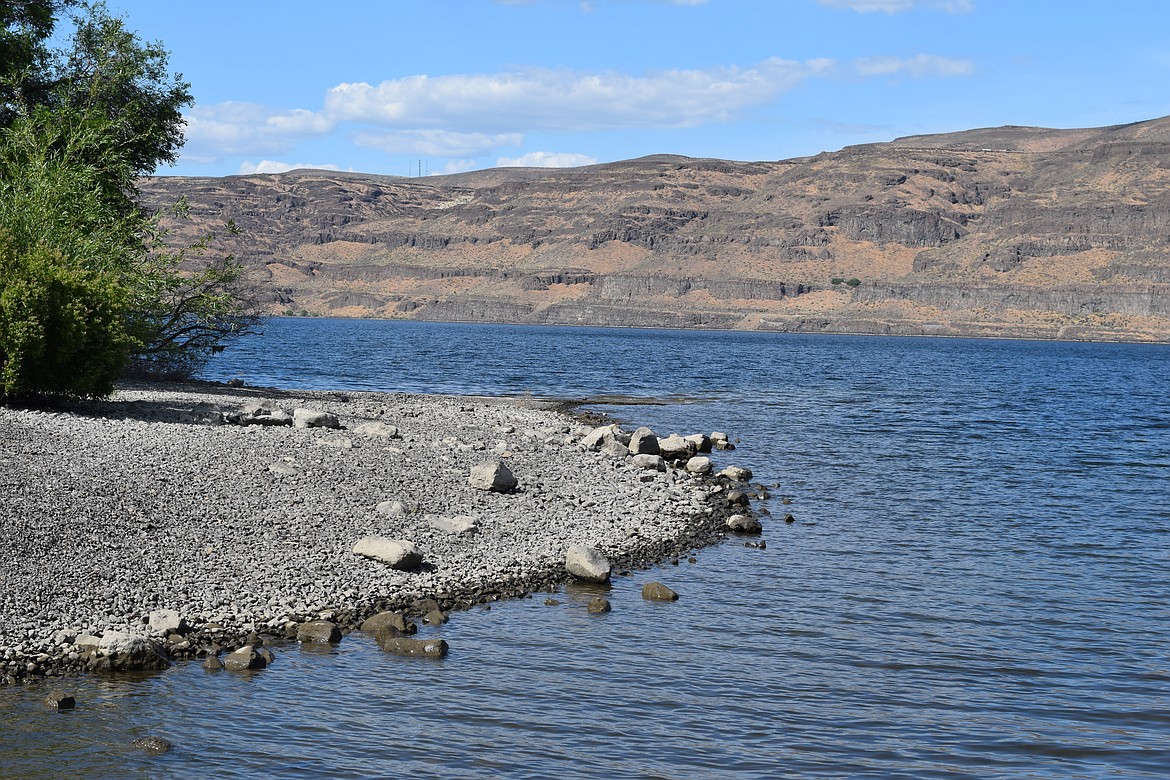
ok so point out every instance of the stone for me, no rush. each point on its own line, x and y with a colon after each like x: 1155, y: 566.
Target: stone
x: 789, y: 519
x: 598, y: 605
x: 701, y: 441
x: 154, y: 746
x: 319, y: 631
x: 675, y: 447
x: 586, y: 563
x: 736, y: 473
x: 435, y: 617
x: 59, y: 700
x: 737, y: 498
x: 121, y: 652
x: 235, y: 382
x: 643, y: 442
x: 212, y: 663
x: 615, y: 449
x: 310, y: 418
x: 724, y: 445
x: 396, y: 553
x: 460, y: 525
x: 284, y: 468
x: 699, y: 464
x: 167, y: 621
x: 395, y: 508
x: 388, y: 620
x: 246, y: 658
x: 259, y: 413
x: 598, y: 438
x: 649, y: 462
x: 744, y: 524
x: 656, y: 591
x: 378, y: 429
x: 718, y: 436
x: 399, y: 645
x: 492, y: 475
x: 337, y: 442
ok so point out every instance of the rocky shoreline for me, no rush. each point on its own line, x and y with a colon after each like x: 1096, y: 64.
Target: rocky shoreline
x: 185, y: 521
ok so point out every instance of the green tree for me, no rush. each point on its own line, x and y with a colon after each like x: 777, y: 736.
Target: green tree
x: 70, y: 156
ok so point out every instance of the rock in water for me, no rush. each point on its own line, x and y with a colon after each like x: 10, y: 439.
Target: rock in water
x: 155, y: 746
x: 60, y: 700
x: 644, y: 442
x: 243, y: 659
x: 656, y: 591
x: 736, y: 473
x: 598, y: 605
x: 319, y: 631
x: 396, y: 553
x: 586, y: 563
x: 399, y: 645
x: 743, y: 524
x: 389, y: 620
x: 118, y: 652
x: 492, y: 475
x: 675, y: 447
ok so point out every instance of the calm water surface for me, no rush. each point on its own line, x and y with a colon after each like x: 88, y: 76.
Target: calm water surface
x: 978, y: 583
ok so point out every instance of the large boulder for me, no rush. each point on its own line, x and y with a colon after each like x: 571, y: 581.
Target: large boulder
x: 318, y: 632
x: 259, y: 413
x: 389, y: 621
x: 615, y: 449
x: 166, y: 622
x: 598, y: 438
x: 247, y: 657
x: 701, y: 441
x: 492, y: 475
x: 700, y: 464
x: 396, y: 553
x: 656, y: 591
x: 120, y: 652
x: 586, y: 563
x: 644, y: 442
x: 744, y: 524
x: 400, y: 645
x: 736, y: 473
x: 675, y: 447
x: 649, y: 462
x: 378, y: 429
x: 311, y: 418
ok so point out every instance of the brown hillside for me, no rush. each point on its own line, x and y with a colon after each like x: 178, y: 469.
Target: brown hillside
x: 1005, y: 231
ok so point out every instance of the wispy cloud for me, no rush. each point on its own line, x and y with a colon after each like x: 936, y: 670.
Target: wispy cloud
x: 898, y: 6
x: 561, y: 100
x: 276, y: 166
x: 233, y: 128
x: 546, y: 160
x: 919, y: 66
x: 436, y: 143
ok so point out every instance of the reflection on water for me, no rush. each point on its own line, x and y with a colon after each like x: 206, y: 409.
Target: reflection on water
x: 974, y: 587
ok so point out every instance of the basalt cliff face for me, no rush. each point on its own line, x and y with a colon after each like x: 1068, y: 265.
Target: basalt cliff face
x: 1013, y: 231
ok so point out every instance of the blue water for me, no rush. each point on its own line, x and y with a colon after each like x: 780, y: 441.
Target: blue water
x: 977, y: 584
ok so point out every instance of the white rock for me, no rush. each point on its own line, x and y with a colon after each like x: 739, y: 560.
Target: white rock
x: 459, y: 525
x: 586, y: 563
x: 310, y: 418
x: 736, y: 473
x: 396, y: 553
x: 379, y: 429
x: 646, y: 461
x: 700, y: 464
x: 492, y: 475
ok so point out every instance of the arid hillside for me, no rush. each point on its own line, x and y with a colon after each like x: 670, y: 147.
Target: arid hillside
x: 1010, y: 231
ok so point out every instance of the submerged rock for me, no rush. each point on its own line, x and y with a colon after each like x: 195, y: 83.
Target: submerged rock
x: 319, y: 631
x: 599, y: 605
x: 59, y: 700
x: 246, y: 658
x: 389, y: 620
x: 153, y: 745
x: 744, y: 524
x: 400, y: 645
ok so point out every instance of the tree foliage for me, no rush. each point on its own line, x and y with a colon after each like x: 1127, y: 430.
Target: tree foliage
x: 87, y: 279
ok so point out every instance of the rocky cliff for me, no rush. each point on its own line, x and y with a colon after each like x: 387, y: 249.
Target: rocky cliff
x: 1005, y: 231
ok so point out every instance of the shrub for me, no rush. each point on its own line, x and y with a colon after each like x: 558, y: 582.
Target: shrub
x: 62, y: 328
x: 854, y: 282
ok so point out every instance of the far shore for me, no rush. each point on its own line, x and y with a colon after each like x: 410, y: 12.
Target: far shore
x: 148, y: 503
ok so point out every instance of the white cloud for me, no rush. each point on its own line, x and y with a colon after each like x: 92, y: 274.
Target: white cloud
x: 276, y: 166
x: 898, y: 6
x: 436, y: 143
x: 459, y: 166
x: 561, y: 100
x: 918, y: 66
x: 232, y: 128
x: 546, y: 160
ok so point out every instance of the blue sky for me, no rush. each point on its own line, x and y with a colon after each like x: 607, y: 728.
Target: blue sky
x: 466, y: 84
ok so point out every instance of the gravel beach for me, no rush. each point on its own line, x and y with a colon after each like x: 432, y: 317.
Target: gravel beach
x: 152, y: 500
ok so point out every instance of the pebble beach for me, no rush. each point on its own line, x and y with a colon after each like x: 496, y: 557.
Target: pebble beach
x: 153, y: 501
